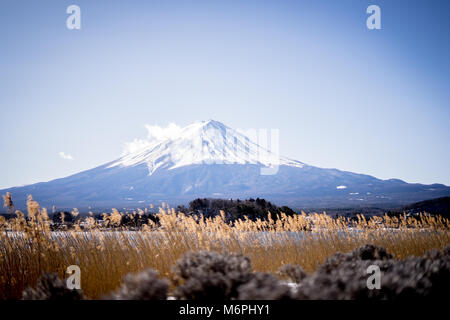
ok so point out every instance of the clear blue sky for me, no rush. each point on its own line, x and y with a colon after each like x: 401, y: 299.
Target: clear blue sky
x: 343, y: 96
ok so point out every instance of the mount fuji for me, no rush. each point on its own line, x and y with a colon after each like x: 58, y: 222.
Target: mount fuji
x: 209, y: 159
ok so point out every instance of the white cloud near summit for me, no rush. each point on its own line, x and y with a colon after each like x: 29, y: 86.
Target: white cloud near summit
x: 65, y: 156
x: 158, y: 133
x: 155, y: 134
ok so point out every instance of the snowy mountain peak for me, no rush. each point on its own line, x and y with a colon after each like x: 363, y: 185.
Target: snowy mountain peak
x: 204, y: 142
x: 172, y: 165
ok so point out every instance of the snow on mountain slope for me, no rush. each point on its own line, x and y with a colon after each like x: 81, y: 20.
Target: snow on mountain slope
x: 209, y: 159
x: 204, y: 142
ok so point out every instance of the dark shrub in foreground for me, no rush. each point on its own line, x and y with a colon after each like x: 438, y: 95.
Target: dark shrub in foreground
x: 264, y: 286
x: 367, y: 252
x: 211, y: 275
x: 344, y: 276
x: 142, y: 286
x: 294, y: 272
x: 50, y: 287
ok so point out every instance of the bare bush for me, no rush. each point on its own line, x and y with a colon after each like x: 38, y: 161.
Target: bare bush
x: 211, y: 275
x: 344, y: 276
x: 293, y: 272
x: 142, y: 286
x: 50, y: 287
x: 264, y: 286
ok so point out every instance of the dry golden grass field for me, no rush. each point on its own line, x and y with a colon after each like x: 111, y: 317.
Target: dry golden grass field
x: 28, y: 247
